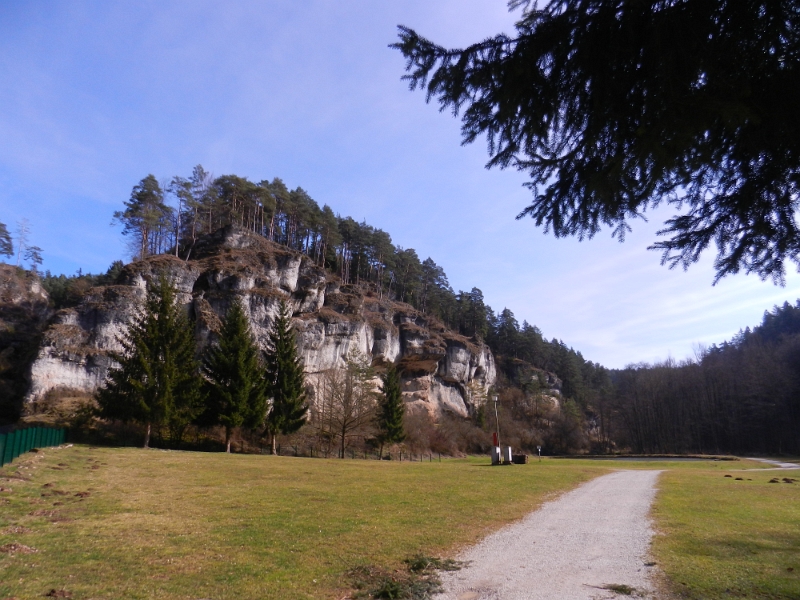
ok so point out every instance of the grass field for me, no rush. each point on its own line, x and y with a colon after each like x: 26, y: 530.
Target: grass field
x: 129, y: 523
x: 723, y: 538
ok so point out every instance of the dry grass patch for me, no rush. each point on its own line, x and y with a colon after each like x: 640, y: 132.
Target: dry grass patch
x: 157, y: 524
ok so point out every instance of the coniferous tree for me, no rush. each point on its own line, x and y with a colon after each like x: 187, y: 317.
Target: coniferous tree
x: 237, y: 387
x: 390, y: 409
x: 156, y: 381
x: 6, y: 247
x: 33, y: 255
x: 590, y: 91
x: 285, y: 378
x: 145, y: 213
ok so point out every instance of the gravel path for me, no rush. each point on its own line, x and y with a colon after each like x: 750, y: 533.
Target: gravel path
x: 778, y: 464
x: 594, y: 536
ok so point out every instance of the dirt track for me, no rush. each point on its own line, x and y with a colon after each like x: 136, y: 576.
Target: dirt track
x: 573, y: 548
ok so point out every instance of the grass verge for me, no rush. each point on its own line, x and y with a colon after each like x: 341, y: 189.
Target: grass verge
x: 726, y: 538
x: 114, y: 523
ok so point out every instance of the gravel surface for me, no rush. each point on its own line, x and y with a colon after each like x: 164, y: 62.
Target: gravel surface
x: 778, y: 464
x: 572, y: 548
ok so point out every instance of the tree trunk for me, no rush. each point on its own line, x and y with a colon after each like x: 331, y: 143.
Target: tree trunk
x: 178, y: 228
x: 147, y: 436
x: 274, y: 448
x: 228, y: 440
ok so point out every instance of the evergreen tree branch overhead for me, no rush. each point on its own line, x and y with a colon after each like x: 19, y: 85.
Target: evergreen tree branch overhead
x: 616, y: 107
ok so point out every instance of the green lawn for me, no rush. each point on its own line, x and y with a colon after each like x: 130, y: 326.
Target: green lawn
x: 161, y: 524
x: 130, y: 523
x: 723, y: 538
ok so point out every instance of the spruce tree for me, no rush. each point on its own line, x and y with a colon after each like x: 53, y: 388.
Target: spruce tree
x: 390, y: 409
x: 6, y: 246
x: 156, y: 381
x: 614, y: 108
x: 286, y: 380
x: 237, y: 387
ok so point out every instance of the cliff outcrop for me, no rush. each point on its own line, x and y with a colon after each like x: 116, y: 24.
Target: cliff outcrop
x: 440, y: 369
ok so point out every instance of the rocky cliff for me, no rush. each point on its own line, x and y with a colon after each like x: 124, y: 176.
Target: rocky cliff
x: 440, y: 370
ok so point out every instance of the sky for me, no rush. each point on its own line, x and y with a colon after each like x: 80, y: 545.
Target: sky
x: 97, y: 95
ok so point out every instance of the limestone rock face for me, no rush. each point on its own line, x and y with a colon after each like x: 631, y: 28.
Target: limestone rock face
x: 440, y: 370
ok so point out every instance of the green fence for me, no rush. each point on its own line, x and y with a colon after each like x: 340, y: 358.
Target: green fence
x: 20, y: 441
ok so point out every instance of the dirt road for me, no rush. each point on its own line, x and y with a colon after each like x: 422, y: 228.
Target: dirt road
x: 577, y: 547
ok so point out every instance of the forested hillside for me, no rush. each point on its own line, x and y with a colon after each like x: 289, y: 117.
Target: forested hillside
x: 359, y: 253
x: 740, y: 396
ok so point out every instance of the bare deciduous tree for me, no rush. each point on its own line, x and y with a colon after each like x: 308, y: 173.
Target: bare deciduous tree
x: 346, y: 406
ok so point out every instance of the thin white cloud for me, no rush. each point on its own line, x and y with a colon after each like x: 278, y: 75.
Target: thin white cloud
x: 104, y: 93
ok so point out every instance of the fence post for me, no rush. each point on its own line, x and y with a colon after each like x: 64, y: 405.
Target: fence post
x: 2, y: 448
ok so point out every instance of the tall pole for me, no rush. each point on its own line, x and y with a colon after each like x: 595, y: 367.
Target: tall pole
x: 496, y: 420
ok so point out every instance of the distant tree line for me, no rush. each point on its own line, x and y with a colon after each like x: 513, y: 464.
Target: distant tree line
x: 741, y: 396
x: 68, y: 290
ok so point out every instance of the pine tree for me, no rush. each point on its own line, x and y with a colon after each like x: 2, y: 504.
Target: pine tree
x: 390, y: 409
x: 286, y: 379
x: 156, y: 381
x: 6, y: 245
x: 238, y: 389
x: 145, y: 215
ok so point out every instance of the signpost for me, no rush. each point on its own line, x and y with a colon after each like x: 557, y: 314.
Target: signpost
x: 496, y: 451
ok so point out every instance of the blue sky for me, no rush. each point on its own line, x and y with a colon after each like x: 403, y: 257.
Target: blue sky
x: 96, y: 95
